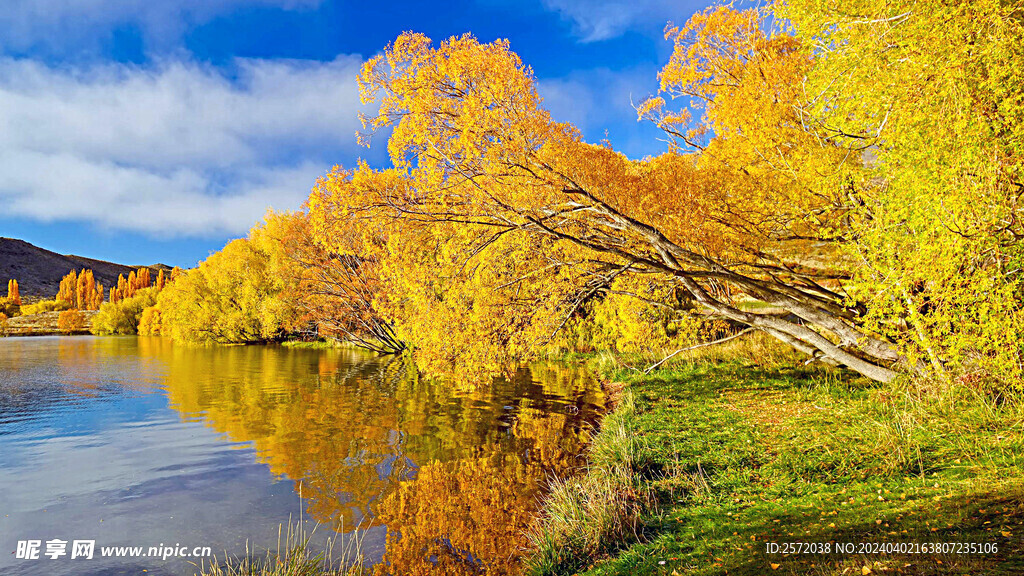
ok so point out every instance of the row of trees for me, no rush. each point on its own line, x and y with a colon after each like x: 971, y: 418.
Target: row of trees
x: 69, y: 320
x: 128, y: 287
x: 80, y: 291
x: 126, y: 310
x: 849, y: 183
x: 244, y: 293
x: 274, y: 284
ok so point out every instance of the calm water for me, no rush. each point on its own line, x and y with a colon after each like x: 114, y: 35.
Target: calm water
x: 135, y: 442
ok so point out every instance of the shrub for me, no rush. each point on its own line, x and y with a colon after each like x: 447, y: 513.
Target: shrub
x: 244, y: 293
x: 71, y: 321
x: 44, y: 306
x: 123, y: 316
x: 150, y: 322
x: 9, y: 307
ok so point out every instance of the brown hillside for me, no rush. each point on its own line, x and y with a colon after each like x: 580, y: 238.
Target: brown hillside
x: 39, y: 271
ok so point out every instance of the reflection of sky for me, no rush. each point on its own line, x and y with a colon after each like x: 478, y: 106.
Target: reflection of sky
x: 118, y: 466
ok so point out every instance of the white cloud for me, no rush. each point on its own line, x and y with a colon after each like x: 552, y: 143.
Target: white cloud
x: 596, y: 20
x: 26, y: 24
x: 176, y: 150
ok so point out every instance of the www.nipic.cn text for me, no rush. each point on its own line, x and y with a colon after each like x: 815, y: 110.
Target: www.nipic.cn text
x: 86, y: 549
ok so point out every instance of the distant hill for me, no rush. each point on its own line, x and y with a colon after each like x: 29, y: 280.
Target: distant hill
x: 39, y: 271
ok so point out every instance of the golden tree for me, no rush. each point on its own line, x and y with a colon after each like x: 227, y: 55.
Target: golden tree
x: 127, y: 287
x: 80, y: 291
x: 933, y: 93
x: 124, y: 316
x: 244, y: 293
x: 142, y: 279
x: 503, y: 222
x: 340, y: 285
x: 150, y: 322
x: 66, y: 293
x: 12, y: 292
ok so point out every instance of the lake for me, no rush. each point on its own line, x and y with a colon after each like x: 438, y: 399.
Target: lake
x: 135, y: 442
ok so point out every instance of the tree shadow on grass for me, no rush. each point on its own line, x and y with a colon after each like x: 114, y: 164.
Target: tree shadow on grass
x: 984, y: 520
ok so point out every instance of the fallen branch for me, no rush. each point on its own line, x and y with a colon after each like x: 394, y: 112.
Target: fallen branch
x: 719, y: 341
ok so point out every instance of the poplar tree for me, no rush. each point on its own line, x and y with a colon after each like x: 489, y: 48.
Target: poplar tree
x: 12, y: 292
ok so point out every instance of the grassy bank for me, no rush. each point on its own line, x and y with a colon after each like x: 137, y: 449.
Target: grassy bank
x: 729, y: 456
x: 314, y: 344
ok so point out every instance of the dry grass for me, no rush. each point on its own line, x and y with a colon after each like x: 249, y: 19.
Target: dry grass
x: 294, y: 557
x: 44, y: 324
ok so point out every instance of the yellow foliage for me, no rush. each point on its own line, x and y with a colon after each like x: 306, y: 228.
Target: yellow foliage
x: 80, y: 291
x: 857, y: 174
x: 10, y: 308
x: 70, y: 321
x: 497, y: 225
x: 934, y: 91
x: 12, y: 292
x: 150, y: 323
x: 244, y: 293
x: 44, y: 306
x: 124, y: 316
x: 638, y: 316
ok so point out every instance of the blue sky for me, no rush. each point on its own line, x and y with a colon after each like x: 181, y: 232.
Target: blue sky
x: 143, y: 131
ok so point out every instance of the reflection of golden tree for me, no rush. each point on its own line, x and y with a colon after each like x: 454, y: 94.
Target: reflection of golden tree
x: 461, y: 517
x: 336, y: 439
x: 355, y: 430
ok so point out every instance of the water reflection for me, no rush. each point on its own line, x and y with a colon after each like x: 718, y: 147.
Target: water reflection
x: 135, y: 442
x: 452, y: 472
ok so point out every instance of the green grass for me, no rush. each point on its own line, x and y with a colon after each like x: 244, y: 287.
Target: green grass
x: 313, y: 344
x: 589, y: 514
x: 738, y: 455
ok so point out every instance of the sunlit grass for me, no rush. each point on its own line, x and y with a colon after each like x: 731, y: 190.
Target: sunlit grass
x: 600, y: 509
x: 743, y: 444
x: 313, y: 344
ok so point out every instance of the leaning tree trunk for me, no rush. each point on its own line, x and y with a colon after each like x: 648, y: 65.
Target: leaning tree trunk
x: 819, y: 316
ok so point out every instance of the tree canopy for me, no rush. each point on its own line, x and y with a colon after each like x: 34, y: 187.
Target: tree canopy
x: 241, y: 294
x: 515, y: 221
x: 845, y: 181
